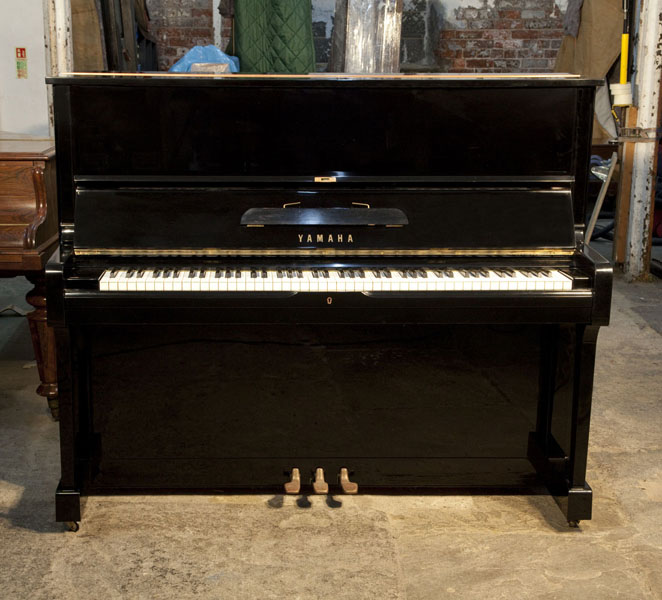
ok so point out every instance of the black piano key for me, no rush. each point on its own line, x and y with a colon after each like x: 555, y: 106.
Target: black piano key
x: 498, y: 272
x: 325, y: 273
x: 464, y: 273
x: 315, y: 273
x: 350, y: 273
x: 130, y: 273
x: 525, y: 272
x: 175, y: 273
x: 412, y: 274
x: 290, y: 273
x: 483, y: 273
x: 279, y: 273
x: 361, y: 273
x: 449, y: 273
x: 422, y: 273
x: 167, y: 273
x: 438, y: 273
x: 219, y: 273
x: 264, y: 274
x: 237, y: 274
x: 228, y: 274
x: 299, y: 274
x: 253, y: 274
x: 157, y: 273
x: 387, y: 273
x: 341, y: 274
x: 140, y: 273
x: 203, y: 273
x: 192, y: 273
x: 377, y: 273
x: 113, y: 273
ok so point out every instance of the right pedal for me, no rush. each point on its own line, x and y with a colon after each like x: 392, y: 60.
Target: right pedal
x: 348, y: 487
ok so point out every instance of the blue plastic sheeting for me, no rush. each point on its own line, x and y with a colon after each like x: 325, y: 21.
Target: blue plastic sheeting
x: 204, y: 54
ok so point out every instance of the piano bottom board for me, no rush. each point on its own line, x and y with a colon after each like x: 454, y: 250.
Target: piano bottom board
x: 188, y: 407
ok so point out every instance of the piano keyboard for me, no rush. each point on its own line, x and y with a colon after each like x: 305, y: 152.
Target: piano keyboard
x: 333, y: 280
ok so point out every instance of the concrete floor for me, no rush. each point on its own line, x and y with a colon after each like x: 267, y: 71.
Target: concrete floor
x: 238, y: 547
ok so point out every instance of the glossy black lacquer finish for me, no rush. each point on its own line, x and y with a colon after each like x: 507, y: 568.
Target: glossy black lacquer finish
x: 409, y: 391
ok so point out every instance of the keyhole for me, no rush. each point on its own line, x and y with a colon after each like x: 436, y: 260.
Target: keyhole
x: 329, y: 300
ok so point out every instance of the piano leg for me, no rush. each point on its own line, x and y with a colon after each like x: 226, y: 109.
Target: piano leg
x: 580, y: 495
x: 43, y: 341
x: 564, y: 472
x: 67, y: 496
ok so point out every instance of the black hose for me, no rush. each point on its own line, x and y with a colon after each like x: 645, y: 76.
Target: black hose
x: 603, y: 230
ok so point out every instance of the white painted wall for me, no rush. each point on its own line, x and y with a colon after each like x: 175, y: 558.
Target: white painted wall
x: 23, y: 102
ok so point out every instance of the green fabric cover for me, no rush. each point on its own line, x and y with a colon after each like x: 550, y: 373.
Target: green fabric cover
x: 274, y: 36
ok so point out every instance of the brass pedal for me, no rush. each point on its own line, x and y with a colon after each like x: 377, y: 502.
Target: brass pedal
x: 293, y: 486
x: 349, y: 487
x: 319, y: 485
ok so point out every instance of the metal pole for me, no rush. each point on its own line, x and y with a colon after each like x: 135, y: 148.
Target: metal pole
x: 647, y: 91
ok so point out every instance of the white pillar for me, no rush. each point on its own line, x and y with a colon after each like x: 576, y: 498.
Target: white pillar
x: 647, y: 91
x: 58, y: 43
x: 218, y: 25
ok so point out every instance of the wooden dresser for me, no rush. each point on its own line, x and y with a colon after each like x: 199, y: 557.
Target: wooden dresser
x: 28, y: 236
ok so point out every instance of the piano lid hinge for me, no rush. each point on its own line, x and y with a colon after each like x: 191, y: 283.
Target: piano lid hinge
x: 325, y: 179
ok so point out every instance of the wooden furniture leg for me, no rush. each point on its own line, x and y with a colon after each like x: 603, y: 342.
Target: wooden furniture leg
x: 43, y: 341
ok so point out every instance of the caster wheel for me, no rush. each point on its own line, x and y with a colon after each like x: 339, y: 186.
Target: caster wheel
x: 573, y: 524
x: 72, y: 526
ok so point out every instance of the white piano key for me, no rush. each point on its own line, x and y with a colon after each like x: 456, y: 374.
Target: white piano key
x: 159, y: 281
x: 177, y: 281
x: 304, y: 282
x: 103, y: 281
x: 206, y: 281
x: 248, y: 281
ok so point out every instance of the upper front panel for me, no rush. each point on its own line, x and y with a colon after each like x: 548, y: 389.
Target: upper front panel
x: 336, y: 128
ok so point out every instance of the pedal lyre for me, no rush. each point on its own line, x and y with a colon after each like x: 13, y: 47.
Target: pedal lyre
x: 293, y: 486
x: 349, y: 487
x: 319, y: 485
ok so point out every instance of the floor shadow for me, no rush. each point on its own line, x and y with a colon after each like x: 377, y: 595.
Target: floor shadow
x: 303, y: 501
x: 331, y: 502
x: 276, y: 501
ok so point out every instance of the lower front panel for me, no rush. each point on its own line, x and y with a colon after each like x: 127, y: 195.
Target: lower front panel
x: 215, y: 407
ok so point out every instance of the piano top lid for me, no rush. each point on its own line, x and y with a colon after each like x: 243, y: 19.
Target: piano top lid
x: 423, y: 79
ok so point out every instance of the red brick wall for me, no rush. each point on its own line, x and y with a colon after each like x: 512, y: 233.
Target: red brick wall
x: 496, y: 36
x: 511, y: 36
x: 178, y: 25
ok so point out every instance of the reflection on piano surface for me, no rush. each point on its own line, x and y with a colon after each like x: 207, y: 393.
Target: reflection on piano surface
x: 356, y: 284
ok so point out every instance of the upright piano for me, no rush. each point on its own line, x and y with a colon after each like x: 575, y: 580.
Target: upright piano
x: 324, y: 284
